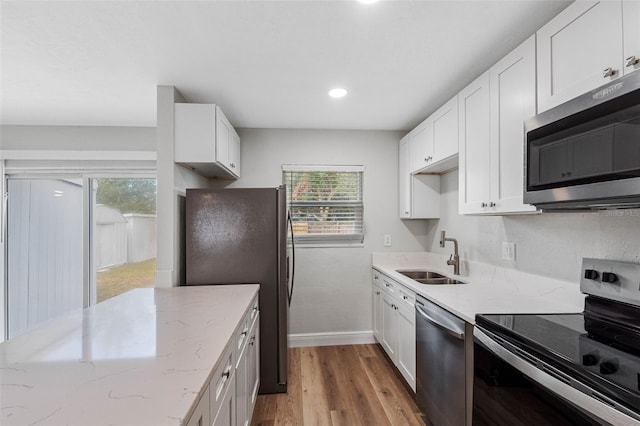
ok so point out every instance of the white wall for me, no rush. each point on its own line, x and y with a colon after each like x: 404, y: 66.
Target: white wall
x: 77, y: 138
x: 333, y: 285
x: 549, y: 244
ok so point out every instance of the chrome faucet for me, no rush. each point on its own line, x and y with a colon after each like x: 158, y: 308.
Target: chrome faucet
x: 454, y: 259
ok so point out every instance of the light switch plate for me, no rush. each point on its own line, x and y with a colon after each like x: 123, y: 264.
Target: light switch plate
x: 387, y: 240
x: 508, y: 251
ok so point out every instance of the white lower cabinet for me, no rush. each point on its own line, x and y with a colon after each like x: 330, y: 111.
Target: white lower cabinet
x: 200, y: 416
x: 377, y: 311
x: 394, y: 317
x: 389, y: 326
x: 230, y: 398
x: 246, y: 377
x: 226, y: 414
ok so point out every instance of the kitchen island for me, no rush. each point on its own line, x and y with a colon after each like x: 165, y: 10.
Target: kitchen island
x: 142, y: 358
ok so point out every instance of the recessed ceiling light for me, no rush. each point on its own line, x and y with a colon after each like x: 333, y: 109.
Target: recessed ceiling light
x: 338, y: 92
x: 367, y: 1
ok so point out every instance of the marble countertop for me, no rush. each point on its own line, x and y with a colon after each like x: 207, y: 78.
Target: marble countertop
x: 489, y: 289
x: 141, y: 358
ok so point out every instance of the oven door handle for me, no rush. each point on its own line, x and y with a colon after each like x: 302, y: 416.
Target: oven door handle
x: 441, y: 326
x: 602, y: 408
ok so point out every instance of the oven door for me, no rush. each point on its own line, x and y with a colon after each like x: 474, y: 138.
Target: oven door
x: 510, y: 389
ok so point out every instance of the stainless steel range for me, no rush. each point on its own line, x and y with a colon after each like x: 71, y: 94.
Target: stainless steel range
x: 573, y: 369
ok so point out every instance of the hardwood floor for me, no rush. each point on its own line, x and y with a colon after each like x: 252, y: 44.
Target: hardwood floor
x: 339, y: 385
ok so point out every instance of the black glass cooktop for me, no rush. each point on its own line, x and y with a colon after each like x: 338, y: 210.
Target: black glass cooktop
x: 605, y: 355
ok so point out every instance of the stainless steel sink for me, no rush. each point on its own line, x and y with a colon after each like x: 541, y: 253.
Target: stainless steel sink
x: 428, y: 277
x: 436, y: 281
x: 420, y: 274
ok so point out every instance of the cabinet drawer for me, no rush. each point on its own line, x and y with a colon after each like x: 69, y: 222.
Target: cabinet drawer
x: 376, y: 277
x: 389, y: 286
x: 220, y: 381
x: 406, y: 297
x: 244, y: 330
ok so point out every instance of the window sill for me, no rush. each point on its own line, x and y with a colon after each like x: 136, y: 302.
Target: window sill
x: 327, y: 245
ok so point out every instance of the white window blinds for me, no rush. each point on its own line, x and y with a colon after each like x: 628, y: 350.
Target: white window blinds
x: 325, y: 203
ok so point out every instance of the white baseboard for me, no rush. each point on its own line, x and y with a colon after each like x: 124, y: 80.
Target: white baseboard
x: 331, y: 339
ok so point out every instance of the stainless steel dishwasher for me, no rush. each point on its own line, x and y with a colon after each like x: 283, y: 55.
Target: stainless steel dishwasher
x: 442, y: 364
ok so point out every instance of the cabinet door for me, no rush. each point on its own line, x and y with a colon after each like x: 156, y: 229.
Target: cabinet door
x: 445, y: 131
x: 200, y: 416
x: 234, y: 153
x: 194, y: 133
x: 513, y: 92
x: 389, y: 326
x: 421, y: 145
x: 253, y: 362
x: 631, y: 36
x: 474, y: 156
x: 226, y: 414
x: 377, y: 312
x: 224, y: 130
x: 575, y: 48
x: 407, y: 345
x: 404, y: 179
x: 242, y: 387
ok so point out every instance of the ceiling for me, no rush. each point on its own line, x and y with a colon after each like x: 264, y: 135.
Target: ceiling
x: 268, y: 64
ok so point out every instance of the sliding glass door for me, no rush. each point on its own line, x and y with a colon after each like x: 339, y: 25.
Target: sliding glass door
x: 73, y: 242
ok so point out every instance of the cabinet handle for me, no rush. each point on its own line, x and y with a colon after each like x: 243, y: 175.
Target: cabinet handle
x: 608, y: 72
x: 492, y: 204
x: 226, y: 374
x: 483, y: 204
x: 244, y: 332
x: 406, y: 212
x: 233, y: 166
x: 377, y: 292
x: 631, y: 61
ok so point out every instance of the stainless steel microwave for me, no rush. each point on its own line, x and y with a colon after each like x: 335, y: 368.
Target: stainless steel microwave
x: 585, y: 153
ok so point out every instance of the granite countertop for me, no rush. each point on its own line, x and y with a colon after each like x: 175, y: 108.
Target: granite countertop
x: 141, y: 358
x: 489, y: 289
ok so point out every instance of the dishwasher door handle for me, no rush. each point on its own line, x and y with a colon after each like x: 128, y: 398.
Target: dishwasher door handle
x: 458, y: 335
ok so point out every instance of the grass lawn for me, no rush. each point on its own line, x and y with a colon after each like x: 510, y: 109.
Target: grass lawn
x: 114, y: 281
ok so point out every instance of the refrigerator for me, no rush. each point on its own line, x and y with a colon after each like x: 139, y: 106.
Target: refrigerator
x: 239, y: 236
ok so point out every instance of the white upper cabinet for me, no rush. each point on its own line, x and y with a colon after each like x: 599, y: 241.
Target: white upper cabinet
x: 206, y: 141
x: 631, y: 36
x: 418, y: 194
x: 492, y: 111
x: 404, y: 179
x: 434, y: 142
x: 475, y: 154
x: 579, y: 50
x: 421, y: 142
x: 445, y: 136
x: 512, y: 92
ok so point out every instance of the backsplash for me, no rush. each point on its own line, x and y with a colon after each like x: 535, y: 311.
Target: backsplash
x: 549, y: 244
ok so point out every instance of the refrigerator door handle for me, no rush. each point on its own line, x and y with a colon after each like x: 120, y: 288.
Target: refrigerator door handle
x: 293, y: 259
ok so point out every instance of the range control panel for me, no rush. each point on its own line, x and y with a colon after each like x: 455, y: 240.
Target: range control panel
x: 611, y: 279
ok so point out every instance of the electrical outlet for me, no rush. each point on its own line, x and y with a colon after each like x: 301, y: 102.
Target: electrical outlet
x: 508, y: 251
x: 387, y: 240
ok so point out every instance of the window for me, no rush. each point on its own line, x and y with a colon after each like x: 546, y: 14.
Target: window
x: 325, y: 203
